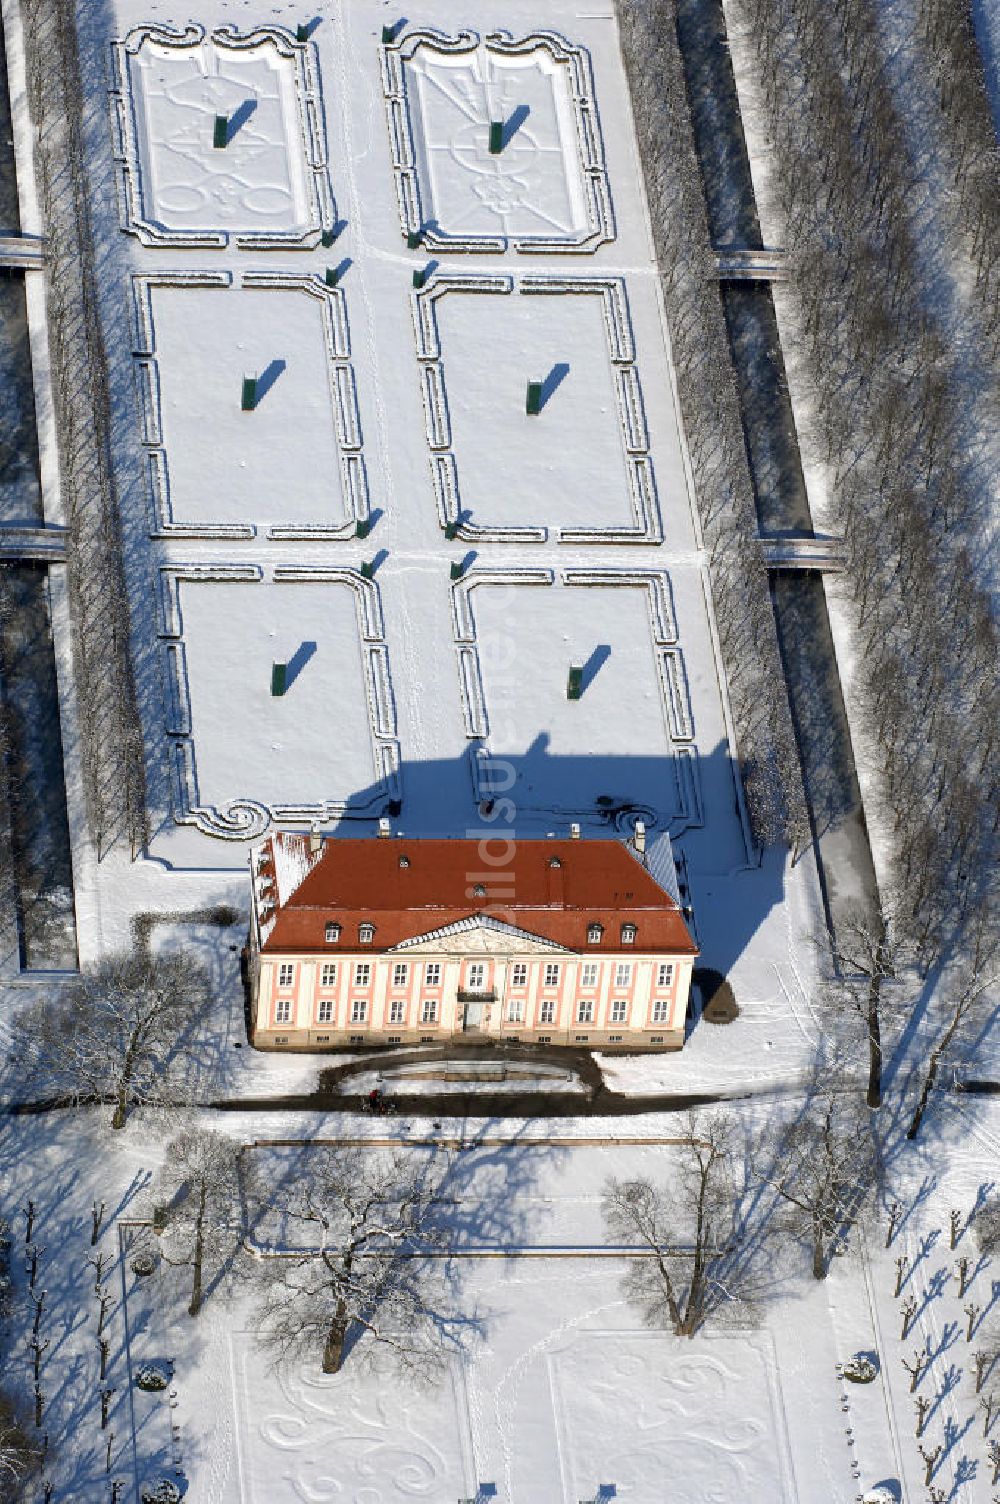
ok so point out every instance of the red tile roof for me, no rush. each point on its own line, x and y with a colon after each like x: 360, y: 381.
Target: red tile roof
x: 405, y: 888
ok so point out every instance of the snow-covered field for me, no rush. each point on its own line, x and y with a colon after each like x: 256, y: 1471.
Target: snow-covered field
x: 391, y: 381
x: 560, y: 1388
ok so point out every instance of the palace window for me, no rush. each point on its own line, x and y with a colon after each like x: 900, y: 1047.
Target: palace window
x: 665, y: 974
x: 328, y: 976
x: 588, y: 974
x: 332, y: 933
x: 661, y: 1010
x: 325, y: 1014
x: 429, y: 1011
x: 519, y: 974
x: 283, y: 1010
x: 477, y: 976
x: 515, y: 1010
x: 623, y: 974
x: 628, y: 934
x: 547, y: 1012
x: 286, y: 974
x: 619, y: 1010
x: 362, y: 974
x: 366, y: 933
x: 585, y: 1011
x: 594, y: 933
x: 359, y: 1011
x: 397, y: 1011
x: 552, y: 974
x: 432, y: 973
x: 399, y: 973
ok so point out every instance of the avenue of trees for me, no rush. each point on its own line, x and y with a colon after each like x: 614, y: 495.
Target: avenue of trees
x: 900, y: 448
x: 709, y: 401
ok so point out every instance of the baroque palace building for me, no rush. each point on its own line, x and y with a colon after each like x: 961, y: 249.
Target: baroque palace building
x: 392, y: 941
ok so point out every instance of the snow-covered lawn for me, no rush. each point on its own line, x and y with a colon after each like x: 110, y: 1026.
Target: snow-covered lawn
x: 315, y: 744
x: 280, y: 464
x: 561, y: 1388
x: 218, y: 135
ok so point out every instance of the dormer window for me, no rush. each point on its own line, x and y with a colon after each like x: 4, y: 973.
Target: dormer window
x: 366, y: 934
x: 332, y: 932
x: 478, y: 890
x: 554, y: 861
x: 595, y: 933
x: 628, y: 934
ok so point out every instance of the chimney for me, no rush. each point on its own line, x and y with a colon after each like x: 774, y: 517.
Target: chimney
x: 315, y: 840
x: 384, y: 828
x: 640, y: 836
x: 574, y: 831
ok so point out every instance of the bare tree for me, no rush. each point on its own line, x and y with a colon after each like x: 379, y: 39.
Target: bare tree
x: 961, y: 998
x: 686, y: 1229
x: 362, y: 1228
x: 130, y: 1032
x: 18, y: 1457
x: 865, y: 959
x: 822, y: 1165
x: 198, y: 1192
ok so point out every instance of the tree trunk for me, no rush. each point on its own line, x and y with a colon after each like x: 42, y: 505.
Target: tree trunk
x: 819, y: 1262
x: 333, y: 1351
x: 199, y: 1252
x: 874, y: 1043
x: 925, y: 1093
x: 125, y: 1081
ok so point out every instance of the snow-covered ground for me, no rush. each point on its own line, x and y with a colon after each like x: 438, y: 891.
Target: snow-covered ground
x: 388, y: 404
x: 561, y: 1388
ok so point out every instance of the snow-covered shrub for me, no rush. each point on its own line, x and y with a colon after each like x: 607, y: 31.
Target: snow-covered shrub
x: 882, y: 1493
x: 860, y: 1369
x: 143, y: 1264
x: 160, y: 1492
x: 152, y: 1377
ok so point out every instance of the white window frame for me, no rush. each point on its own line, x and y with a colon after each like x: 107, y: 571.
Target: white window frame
x: 366, y: 933
x: 595, y: 934
x: 619, y: 1010
x: 515, y: 1010
x: 551, y: 976
x: 665, y: 974
x: 661, y: 1010
x: 623, y: 974
x: 547, y: 1011
x: 400, y: 973
x: 429, y: 1011
x: 283, y: 1010
x: 362, y: 974
x: 328, y: 974
x: 286, y: 974
x: 585, y: 1011
x: 432, y: 974
x: 476, y: 976
x: 359, y: 1010
x: 332, y: 932
x: 588, y: 974
x: 628, y: 934
x: 324, y: 1013
x: 519, y: 974
x: 397, y: 1010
